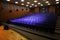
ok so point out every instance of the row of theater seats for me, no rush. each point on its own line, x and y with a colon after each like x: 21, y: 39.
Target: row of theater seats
x: 5, y: 26
x: 39, y: 28
x: 42, y: 28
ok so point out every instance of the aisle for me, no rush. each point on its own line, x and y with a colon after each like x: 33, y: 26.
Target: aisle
x: 10, y: 35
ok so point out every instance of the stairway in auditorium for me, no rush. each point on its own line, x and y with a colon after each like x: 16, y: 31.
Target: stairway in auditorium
x: 57, y: 30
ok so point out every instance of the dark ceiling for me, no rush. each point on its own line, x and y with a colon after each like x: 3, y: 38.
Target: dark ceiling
x: 52, y: 2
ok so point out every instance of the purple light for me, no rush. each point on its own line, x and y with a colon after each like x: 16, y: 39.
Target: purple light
x: 32, y: 19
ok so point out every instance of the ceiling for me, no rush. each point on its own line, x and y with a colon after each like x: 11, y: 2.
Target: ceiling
x: 52, y: 2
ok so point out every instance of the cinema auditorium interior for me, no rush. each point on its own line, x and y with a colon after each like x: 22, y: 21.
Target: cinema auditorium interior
x: 29, y: 19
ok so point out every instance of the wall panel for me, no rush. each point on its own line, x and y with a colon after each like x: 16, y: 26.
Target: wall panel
x: 10, y: 11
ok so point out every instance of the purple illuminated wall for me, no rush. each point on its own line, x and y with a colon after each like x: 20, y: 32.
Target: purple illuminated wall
x: 32, y: 19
